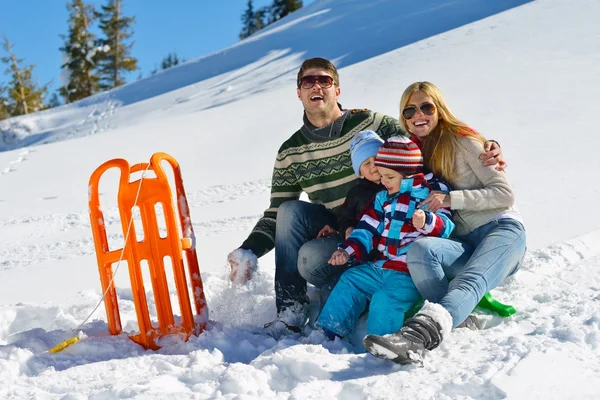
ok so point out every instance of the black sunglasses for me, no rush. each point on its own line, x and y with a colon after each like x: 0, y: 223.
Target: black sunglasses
x: 410, y: 111
x: 308, y: 81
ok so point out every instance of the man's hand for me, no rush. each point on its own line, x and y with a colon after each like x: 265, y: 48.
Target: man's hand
x: 493, y: 156
x: 435, y: 201
x: 327, y: 231
x: 243, y: 264
x: 418, y: 219
x: 339, y: 257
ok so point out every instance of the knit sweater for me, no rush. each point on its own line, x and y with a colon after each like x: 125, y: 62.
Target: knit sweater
x: 319, y: 166
x: 387, y: 224
x: 479, y: 193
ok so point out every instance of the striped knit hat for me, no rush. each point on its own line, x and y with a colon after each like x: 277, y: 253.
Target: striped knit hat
x: 400, y: 154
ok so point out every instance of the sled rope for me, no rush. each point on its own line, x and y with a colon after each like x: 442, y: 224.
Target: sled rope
x: 61, y: 346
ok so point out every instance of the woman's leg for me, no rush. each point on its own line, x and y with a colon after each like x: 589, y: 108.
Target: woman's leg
x: 349, y: 299
x: 389, y: 304
x: 433, y: 261
x: 500, y: 246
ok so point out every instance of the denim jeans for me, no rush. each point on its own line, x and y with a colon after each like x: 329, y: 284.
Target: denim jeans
x: 298, y: 223
x: 458, y: 272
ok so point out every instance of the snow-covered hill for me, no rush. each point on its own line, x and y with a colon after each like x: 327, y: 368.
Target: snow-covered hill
x: 520, y: 72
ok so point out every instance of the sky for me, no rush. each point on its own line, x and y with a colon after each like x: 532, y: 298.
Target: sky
x: 223, y: 119
x: 190, y: 28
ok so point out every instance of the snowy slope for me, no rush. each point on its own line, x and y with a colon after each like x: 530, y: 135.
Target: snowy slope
x: 524, y: 76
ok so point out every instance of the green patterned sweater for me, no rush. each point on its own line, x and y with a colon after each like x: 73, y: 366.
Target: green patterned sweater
x: 322, y: 169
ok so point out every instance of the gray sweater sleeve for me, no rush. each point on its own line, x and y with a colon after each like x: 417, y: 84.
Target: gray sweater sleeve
x: 490, y: 188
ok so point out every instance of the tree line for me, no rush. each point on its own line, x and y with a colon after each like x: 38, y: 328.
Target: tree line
x: 95, y: 63
x: 255, y: 20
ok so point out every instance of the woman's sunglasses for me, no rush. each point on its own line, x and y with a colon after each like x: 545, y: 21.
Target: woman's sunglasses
x: 308, y: 81
x: 410, y: 111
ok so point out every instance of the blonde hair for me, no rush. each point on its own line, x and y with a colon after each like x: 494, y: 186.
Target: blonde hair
x: 439, y: 148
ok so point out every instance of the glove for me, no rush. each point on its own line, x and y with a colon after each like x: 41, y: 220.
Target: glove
x: 243, y: 264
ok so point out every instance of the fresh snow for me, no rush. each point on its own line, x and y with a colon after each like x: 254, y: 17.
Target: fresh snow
x: 523, y: 73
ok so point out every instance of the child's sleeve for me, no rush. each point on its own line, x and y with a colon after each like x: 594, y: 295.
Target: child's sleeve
x: 438, y: 223
x: 365, y: 237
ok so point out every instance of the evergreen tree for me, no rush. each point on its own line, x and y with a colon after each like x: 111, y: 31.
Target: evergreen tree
x: 281, y: 8
x: 54, y: 100
x: 4, y: 111
x: 248, y: 21
x: 116, y: 56
x: 169, y: 61
x: 81, y: 53
x: 260, y: 18
x: 24, y: 96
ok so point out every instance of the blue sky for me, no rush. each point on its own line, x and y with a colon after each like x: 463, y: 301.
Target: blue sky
x: 191, y: 28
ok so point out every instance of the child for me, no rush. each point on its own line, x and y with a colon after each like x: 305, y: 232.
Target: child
x: 390, y: 225
x: 363, y: 149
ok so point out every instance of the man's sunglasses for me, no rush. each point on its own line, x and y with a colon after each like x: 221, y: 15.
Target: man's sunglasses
x: 410, y: 111
x: 308, y: 81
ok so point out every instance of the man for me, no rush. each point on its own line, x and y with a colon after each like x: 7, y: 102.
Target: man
x: 314, y: 160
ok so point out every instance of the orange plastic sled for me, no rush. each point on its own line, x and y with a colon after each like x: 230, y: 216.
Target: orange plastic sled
x: 152, y: 249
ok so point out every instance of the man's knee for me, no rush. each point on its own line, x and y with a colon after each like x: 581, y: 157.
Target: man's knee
x: 313, y: 260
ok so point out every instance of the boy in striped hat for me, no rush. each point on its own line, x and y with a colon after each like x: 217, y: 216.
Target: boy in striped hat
x: 390, y: 225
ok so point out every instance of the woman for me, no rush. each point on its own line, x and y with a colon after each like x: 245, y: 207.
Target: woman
x: 489, y: 240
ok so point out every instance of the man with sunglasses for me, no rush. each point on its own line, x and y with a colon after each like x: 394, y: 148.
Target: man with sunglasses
x: 315, y: 160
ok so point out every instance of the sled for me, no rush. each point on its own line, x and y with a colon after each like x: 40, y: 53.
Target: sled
x: 487, y: 303
x: 146, y: 193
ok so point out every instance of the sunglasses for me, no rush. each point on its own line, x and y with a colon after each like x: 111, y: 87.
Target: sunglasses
x: 410, y: 111
x: 308, y: 81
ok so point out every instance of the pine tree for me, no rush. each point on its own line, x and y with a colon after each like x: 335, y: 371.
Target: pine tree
x: 281, y: 8
x: 117, y: 54
x: 24, y: 96
x: 169, y: 61
x: 4, y: 111
x: 260, y: 18
x: 248, y: 21
x: 81, y: 53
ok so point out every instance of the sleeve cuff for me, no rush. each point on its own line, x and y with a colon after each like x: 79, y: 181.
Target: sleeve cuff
x: 457, y: 200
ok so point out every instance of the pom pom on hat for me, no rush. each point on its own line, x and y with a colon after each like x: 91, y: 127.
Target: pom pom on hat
x: 400, y: 154
x: 363, y: 146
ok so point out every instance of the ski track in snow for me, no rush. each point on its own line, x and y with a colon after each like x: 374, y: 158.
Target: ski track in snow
x: 28, y: 244
x: 212, y: 362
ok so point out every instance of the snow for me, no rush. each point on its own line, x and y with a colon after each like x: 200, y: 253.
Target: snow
x: 520, y: 72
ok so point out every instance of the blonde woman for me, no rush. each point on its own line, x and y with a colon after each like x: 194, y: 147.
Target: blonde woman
x: 488, y: 243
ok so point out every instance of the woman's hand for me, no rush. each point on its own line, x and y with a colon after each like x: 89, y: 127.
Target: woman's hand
x: 435, y: 201
x: 339, y: 257
x: 493, y: 156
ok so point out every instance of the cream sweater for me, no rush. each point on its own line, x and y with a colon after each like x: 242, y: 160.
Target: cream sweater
x: 479, y: 194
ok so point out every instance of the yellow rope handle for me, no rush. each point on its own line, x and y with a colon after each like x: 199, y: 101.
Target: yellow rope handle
x: 63, y: 345
x: 69, y: 342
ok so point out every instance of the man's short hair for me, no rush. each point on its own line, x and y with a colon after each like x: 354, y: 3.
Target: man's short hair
x: 319, y: 63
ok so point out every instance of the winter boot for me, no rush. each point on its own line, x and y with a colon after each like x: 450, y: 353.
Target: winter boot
x: 290, y: 320
x: 424, y: 331
x: 473, y: 323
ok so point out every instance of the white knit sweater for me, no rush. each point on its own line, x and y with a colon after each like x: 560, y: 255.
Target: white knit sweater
x: 479, y: 193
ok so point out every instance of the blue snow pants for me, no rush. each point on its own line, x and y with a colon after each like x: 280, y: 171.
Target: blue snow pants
x: 391, y: 293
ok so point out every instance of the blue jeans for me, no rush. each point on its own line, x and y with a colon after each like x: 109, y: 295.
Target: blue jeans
x: 296, y: 248
x: 391, y: 293
x: 458, y: 272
